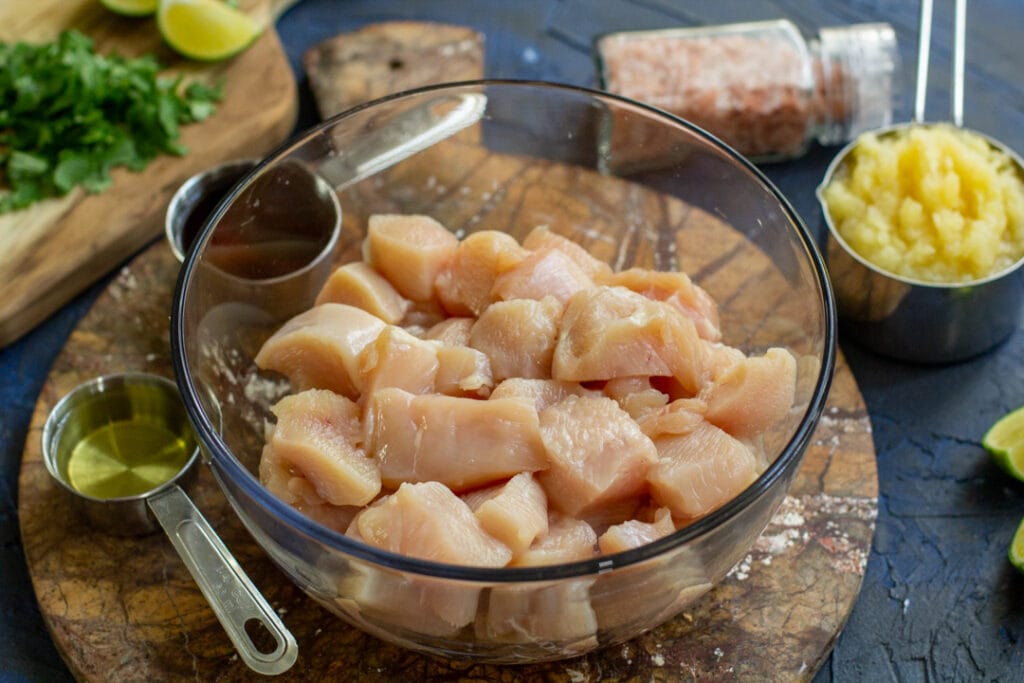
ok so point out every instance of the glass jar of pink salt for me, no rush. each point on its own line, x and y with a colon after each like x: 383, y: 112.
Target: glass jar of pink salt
x: 761, y: 87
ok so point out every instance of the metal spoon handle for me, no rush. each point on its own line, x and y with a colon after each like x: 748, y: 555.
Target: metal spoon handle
x: 924, y: 42
x: 235, y: 600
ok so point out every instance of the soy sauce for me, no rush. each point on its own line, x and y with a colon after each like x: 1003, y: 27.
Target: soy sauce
x: 279, y: 224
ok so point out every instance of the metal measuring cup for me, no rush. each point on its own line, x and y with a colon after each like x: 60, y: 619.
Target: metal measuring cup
x: 903, y: 317
x: 154, y: 400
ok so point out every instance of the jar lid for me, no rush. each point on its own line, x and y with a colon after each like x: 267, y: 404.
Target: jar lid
x: 859, y: 70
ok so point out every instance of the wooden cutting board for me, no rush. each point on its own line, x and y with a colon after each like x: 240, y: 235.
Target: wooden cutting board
x: 54, y: 249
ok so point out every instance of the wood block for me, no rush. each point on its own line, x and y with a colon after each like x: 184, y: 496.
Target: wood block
x: 386, y: 58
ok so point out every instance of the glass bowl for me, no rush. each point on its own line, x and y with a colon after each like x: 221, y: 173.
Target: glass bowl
x: 634, y: 186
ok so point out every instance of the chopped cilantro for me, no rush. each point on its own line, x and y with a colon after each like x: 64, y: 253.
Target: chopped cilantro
x: 69, y: 115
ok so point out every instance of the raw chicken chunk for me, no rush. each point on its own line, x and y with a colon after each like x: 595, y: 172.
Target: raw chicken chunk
x: 541, y: 238
x: 679, y: 417
x: 598, y: 455
x: 518, y: 336
x: 567, y: 540
x: 610, y: 332
x: 676, y: 289
x: 559, y: 613
x: 634, y: 533
x: 398, y: 359
x: 285, y: 483
x: 700, y: 471
x: 410, y: 251
x: 451, y: 331
x: 515, y: 512
x: 754, y: 394
x: 635, y: 395
x: 318, y: 349
x: 541, y: 393
x: 462, y: 371
x: 540, y: 274
x: 428, y: 521
x: 359, y: 285
x: 318, y: 434
x: 464, y: 286
x: 460, y: 442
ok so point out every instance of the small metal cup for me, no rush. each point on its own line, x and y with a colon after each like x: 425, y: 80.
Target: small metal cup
x: 154, y: 400
x: 910, y: 319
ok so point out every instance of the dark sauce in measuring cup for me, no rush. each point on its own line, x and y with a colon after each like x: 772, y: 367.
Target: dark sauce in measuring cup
x: 279, y: 224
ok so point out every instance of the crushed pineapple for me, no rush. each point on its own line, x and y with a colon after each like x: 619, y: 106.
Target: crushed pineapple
x: 932, y: 203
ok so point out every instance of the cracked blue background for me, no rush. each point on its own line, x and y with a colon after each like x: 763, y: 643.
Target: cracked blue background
x: 939, y: 601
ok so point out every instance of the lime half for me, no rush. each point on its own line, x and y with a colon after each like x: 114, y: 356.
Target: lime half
x: 206, y: 30
x: 1005, y: 441
x: 1016, y: 553
x: 131, y: 8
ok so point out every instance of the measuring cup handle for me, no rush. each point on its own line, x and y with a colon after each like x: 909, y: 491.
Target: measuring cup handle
x: 227, y: 588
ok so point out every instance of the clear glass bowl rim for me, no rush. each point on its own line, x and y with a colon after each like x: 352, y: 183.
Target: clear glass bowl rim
x: 223, y: 458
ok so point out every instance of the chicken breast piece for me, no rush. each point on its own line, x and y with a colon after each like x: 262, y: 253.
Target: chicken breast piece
x: 541, y: 273
x: 610, y: 332
x: 463, y: 443
x: 542, y: 238
x: 464, y: 285
x: 318, y: 348
x: 398, y: 359
x: 559, y: 613
x: 541, y: 393
x: 451, y: 331
x: 598, y: 455
x: 700, y: 471
x: 359, y: 285
x: 674, y: 288
x: 753, y: 394
x: 634, y: 533
x: 635, y: 395
x: 515, y: 512
x: 428, y: 521
x: 568, y: 540
x: 318, y: 435
x: 410, y: 251
x: 462, y: 371
x: 518, y: 336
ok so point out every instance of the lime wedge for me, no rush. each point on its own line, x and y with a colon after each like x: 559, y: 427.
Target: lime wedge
x: 131, y: 8
x: 1016, y: 553
x: 206, y: 30
x: 1005, y: 441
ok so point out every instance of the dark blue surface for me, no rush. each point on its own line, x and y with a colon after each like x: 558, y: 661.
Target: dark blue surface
x: 940, y: 601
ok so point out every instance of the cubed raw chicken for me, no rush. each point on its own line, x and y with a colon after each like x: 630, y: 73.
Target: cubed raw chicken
x: 541, y: 273
x: 280, y: 479
x: 558, y: 613
x: 398, y: 359
x: 674, y: 288
x: 464, y: 286
x: 461, y: 442
x: 318, y: 348
x: 678, y: 417
x: 518, y: 336
x: 421, y: 316
x: 428, y: 521
x: 462, y: 371
x: 515, y: 512
x: 540, y: 393
x: 634, y: 533
x: 421, y: 604
x: 635, y: 395
x: 598, y: 455
x: 754, y: 394
x: 318, y: 434
x: 410, y: 251
x: 567, y: 540
x: 451, y: 331
x: 359, y: 285
x: 541, y: 238
x: 699, y: 471
x: 610, y: 332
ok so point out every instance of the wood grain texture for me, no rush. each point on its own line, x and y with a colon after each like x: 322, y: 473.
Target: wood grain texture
x: 385, y: 58
x: 54, y: 249
x: 129, y: 607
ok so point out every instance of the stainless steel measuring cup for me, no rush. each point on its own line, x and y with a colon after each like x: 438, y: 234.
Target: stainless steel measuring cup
x: 152, y: 402
x: 911, y: 319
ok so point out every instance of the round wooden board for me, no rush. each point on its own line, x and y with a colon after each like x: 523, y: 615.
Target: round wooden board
x: 127, y: 609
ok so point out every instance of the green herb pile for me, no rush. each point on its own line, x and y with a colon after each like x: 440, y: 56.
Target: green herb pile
x: 69, y: 115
